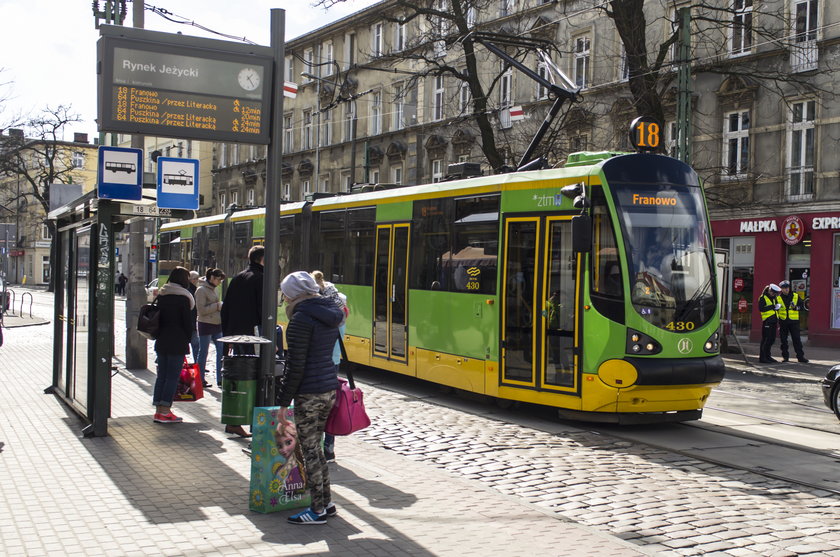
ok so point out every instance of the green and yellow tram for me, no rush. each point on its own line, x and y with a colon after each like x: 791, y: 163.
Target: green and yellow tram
x: 590, y: 288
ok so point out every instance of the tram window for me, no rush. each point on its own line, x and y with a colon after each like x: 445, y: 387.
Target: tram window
x: 196, y: 258
x: 288, y: 257
x: 241, y: 243
x: 607, y: 282
x: 431, y: 245
x: 214, y: 246
x: 475, y: 245
x: 165, y: 245
x: 361, y: 226
x: 331, y: 245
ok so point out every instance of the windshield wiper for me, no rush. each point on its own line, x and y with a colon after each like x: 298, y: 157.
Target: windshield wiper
x: 694, y: 299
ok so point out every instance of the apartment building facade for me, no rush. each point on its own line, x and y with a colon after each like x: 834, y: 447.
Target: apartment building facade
x: 763, y: 118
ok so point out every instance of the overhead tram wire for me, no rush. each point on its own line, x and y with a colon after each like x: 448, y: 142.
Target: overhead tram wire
x: 182, y: 20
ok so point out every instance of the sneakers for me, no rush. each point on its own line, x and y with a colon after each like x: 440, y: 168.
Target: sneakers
x: 169, y: 418
x: 803, y: 360
x: 329, y: 455
x: 330, y: 510
x: 308, y: 517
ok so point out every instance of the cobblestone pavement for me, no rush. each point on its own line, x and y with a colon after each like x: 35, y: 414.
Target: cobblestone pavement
x: 666, y: 503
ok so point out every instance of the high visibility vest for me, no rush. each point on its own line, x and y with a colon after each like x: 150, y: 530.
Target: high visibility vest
x: 770, y: 312
x: 791, y: 313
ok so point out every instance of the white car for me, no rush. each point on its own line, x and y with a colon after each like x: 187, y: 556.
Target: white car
x: 152, y: 290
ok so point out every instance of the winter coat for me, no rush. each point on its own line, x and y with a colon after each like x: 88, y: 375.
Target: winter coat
x: 207, y: 303
x: 176, y: 324
x: 310, y: 337
x: 241, y: 311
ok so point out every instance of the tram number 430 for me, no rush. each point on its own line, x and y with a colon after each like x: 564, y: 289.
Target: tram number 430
x: 680, y: 326
x: 645, y: 134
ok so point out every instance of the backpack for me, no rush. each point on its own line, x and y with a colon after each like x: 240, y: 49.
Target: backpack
x: 148, y: 322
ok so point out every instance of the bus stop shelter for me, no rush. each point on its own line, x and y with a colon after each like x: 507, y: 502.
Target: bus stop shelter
x: 83, y: 324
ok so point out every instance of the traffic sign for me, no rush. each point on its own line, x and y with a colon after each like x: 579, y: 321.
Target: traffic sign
x: 120, y: 173
x: 177, y: 183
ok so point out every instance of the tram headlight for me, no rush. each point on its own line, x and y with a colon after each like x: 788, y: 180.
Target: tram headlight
x: 712, y: 345
x: 642, y: 344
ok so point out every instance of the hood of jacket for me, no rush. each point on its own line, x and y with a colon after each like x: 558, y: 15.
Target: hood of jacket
x: 202, y: 283
x: 321, y: 309
x: 172, y: 289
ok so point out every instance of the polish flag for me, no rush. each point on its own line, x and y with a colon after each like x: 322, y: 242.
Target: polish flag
x: 516, y: 113
x: 290, y: 89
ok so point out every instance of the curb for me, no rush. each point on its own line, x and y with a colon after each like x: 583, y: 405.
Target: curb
x: 781, y: 374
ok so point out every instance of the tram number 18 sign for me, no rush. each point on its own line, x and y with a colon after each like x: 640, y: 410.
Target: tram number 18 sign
x: 645, y: 134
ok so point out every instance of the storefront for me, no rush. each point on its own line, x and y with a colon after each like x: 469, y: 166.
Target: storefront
x: 804, y: 249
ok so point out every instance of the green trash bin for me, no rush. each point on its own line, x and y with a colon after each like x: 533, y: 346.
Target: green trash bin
x: 239, y: 388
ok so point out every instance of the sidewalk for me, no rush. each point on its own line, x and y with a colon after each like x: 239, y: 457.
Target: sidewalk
x: 182, y: 489
x: 821, y: 359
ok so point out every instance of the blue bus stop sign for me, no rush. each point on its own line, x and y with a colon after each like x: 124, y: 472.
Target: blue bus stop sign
x: 120, y: 173
x: 177, y: 183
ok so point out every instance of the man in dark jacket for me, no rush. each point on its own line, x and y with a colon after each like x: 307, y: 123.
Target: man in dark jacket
x: 310, y: 381
x: 242, y: 307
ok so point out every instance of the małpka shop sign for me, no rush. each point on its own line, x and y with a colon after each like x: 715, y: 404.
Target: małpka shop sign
x: 177, y: 86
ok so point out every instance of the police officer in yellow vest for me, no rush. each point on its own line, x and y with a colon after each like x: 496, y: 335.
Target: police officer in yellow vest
x: 768, y: 305
x: 791, y: 305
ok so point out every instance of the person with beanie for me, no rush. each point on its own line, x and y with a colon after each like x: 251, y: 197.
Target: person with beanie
x: 768, y: 306
x: 311, y: 382
x: 173, y: 341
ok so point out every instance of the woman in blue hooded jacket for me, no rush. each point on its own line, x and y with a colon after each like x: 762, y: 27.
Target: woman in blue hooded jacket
x: 310, y: 381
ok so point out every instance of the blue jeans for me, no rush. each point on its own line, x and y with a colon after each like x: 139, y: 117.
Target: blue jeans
x: 194, y: 346
x: 168, y: 374
x: 204, y: 350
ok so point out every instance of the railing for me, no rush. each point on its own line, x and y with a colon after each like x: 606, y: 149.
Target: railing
x: 22, y: 298
x: 803, y: 56
x: 8, y: 307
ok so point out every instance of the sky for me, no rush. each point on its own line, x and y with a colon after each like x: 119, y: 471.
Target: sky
x: 48, y: 47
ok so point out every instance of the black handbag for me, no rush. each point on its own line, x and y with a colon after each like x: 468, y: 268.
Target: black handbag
x: 148, y: 322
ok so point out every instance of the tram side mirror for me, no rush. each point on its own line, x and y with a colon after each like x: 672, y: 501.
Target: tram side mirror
x: 582, y: 234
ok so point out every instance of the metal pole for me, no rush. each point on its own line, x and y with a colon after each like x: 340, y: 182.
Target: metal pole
x: 684, y: 86
x: 17, y: 231
x: 352, y: 145
x: 274, y: 161
x: 136, y: 356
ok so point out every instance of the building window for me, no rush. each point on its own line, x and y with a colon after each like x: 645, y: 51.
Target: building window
x: 507, y: 7
x: 326, y: 127
x: 374, y: 176
x: 290, y: 69
x: 437, y: 111
x: 581, y: 61
x: 327, y: 57
x: 437, y: 170
x: 251, y: 197
x: 505, y: 97
x: 78, y: 159
x: 376, y: 46
x: 804, y: 52
x: 349, y: 115
x: 464, y: 99
x: 400, y: 36
x: 396, y: 175
x: 346, y: 180
x: 325, y: 184
x: 45, y: 232
x: 736, y: 143
x: 542, y: 90
x: 741, y: 34
x: 288, y: 134
x: 222, y: 201
x: 287, y: 191
x: 222, y: 155
x: 472, y: 16
x: 463, y: 158
x: 234, y: 155
x: 307, y: 187
x: 308, y: 64
x: 801, y: 148
x: 349, y: 50
x: 306, y: 131
x: 578, y: 143
x: 234, y: 197
x: 376, y: 114
x: 671, y: 137
x: 623, y: 65
x: 398, y: 113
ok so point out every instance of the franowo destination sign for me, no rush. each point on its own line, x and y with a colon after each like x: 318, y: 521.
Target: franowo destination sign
x: 171, y: 85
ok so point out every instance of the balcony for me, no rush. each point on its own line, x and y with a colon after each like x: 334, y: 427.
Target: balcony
x: 800, y: 183
x: 803, y: 56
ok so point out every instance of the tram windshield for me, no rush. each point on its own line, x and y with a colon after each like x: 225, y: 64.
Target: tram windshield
x: 669, y: 259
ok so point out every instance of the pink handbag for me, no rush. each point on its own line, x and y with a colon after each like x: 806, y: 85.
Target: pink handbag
x: 348, y: 414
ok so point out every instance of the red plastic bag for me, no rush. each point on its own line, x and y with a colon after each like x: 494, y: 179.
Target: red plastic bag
x: 191, y: 383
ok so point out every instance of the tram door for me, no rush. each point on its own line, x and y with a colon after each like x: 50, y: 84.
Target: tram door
x: 390, y: 293
x: 539, y: 304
